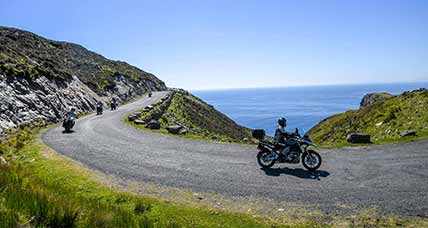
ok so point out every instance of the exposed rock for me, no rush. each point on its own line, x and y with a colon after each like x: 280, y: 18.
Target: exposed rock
x: 138, y: 114
x: 174, y: 129
x: 372, y: 98
x: 358, y: 138
x: 149, y: 107
x: 379, y: 124
x: 153, y: 124
x: 183, y: 131
x: 3, y: 161
x: 408, y: 133
x: 139, y: 122
x: 40, y: 79
x: 132, y: 117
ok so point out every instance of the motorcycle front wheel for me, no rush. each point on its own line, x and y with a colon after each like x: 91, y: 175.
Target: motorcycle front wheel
x: 311, y: 160
x: 264, y: 158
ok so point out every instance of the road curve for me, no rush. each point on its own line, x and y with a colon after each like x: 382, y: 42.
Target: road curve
x: 392, y: 178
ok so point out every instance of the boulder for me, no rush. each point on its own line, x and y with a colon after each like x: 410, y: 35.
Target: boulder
x: 174, y: 129
x: 132, y: 117
x: 138, y: 114
x: 408, y: 133
x: 183, y: 131
x: 149, y: 107
x: 372, y: 98
x: 139, y: 122
x: 3, y: 161
x: 153, y: 124
x: 358, y: 138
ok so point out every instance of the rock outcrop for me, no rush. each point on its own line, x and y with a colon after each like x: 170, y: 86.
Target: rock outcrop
x: 153, y: 124
x: 40, y: 79
x: 174, y: 129
x: 372, y: 98
x: 408, y: 133
x: 358, y: 138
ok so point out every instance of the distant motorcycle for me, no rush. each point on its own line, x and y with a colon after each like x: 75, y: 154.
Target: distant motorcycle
x: 150, y: 94
x: 297, y: 146
x: 99, y: 109
x: 113, y: 106
x: 68, y: 123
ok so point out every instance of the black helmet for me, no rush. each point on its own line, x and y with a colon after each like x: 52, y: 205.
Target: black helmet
x: 282, y: 122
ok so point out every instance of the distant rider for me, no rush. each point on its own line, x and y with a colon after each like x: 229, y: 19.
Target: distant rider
x: 113, y: 103
x: 99, y: 108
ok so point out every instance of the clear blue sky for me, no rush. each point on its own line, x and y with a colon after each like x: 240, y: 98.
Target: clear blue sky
x: 227, y: 44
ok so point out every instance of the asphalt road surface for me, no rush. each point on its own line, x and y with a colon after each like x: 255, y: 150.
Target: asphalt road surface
x: 392, y: 178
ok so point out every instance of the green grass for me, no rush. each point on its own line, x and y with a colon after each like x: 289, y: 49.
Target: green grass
x: 383, y: 121
x: 42, y: 189
x: 201, y: 120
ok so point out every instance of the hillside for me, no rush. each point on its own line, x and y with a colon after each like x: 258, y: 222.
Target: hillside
x: 41, y: 78
x: 384, y: 119
x: 194, y: 118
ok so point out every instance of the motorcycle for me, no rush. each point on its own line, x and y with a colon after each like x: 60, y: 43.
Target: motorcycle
x: 68, y: 123
x: 297, y: 147
x: 113, y: 106
x: 99, y: 109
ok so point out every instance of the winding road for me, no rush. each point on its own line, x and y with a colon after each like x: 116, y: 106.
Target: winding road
x: 392, y: 178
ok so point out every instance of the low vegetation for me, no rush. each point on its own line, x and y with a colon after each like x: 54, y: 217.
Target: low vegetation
x: 43, y: 190
x: 199, y: 119
x: 383, y: 120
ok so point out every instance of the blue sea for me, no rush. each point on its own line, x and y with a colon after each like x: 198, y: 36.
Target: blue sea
x: 302, y: 106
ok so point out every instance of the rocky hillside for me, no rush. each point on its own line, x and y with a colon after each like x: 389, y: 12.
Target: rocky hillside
x: 182, y: 113
x: 41, y: 78
x: 384, y: 117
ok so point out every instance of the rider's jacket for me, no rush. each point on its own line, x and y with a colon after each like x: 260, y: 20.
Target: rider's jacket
x: 280, y: 135
x: 70, y: 114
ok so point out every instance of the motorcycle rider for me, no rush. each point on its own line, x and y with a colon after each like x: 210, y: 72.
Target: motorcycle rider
x: 281, y: 136
x: 99, y: 107
x: 113, y: 103
x: 68, y: 116
x: 71, y: 113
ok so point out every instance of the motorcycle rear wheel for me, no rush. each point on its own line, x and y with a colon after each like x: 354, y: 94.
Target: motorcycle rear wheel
x: 262, y: 159
x: 311, y: 160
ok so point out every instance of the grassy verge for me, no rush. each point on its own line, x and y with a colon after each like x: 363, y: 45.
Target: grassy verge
x: 189, y: 135
x: 201, y: 121
x: 41, y: 190
x: 383, y: 120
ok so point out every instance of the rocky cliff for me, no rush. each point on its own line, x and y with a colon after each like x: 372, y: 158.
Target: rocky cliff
x: 41, y: 78
x: 372, y: 98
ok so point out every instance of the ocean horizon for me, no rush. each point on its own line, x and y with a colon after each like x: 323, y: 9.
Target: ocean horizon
x: 303, y: 106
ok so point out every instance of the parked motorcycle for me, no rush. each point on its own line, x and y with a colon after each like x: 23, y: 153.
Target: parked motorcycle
x: 68, y: 123
x: 297, y: 147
